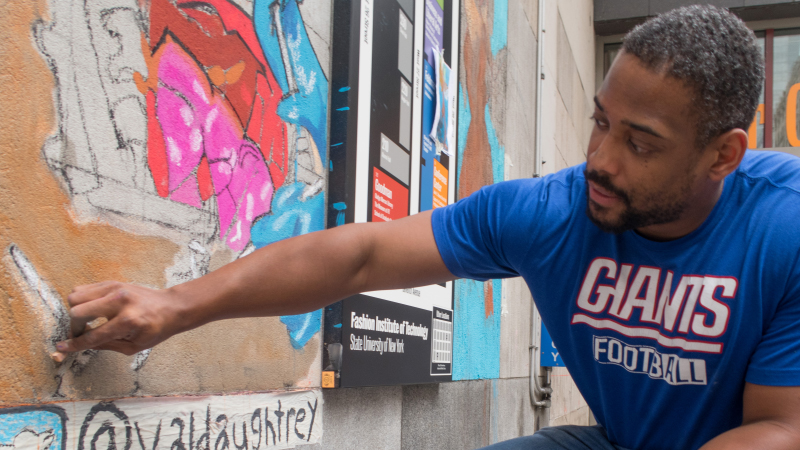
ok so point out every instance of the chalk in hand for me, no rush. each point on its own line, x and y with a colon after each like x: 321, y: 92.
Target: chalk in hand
x: 58, y: 357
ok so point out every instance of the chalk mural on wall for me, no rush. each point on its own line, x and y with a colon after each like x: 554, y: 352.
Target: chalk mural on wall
x: 35, y: 428
x: 241, y: 422
x: 476, y: 340
x: 202, y: 122
x: 54, y: 318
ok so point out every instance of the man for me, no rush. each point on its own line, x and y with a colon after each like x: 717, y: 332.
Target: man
x: 665, y: 268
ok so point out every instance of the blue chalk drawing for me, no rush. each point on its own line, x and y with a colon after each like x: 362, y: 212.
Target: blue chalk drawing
x: 464, y: 119
x: 306, y: 105
x: 337, y: 144
x: 309, y: 105
x: 500, y: 26
x: 498, y: 152
x: 340, y: 207
x: 302, y: 327
x: 476, y: 340
x: 338, y: 325
x: 476, y: 346
x: 346, y: 108
x: 344, y: 89
x: 293, y: 216
x: 45, y: 426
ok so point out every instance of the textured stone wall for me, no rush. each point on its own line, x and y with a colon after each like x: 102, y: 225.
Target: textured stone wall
x: 568, y: 91
x: 481, y: 159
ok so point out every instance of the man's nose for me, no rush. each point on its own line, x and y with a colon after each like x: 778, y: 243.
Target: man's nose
x: 606, y: 156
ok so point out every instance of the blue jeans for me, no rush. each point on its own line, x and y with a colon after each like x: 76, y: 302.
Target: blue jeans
x: 567, y: 437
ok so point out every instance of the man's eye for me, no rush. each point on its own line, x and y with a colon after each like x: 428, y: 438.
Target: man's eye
x: 636, y: 148
x: 599, y: 123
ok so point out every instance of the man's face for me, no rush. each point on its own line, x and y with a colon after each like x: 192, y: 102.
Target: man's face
x: 642, y: 158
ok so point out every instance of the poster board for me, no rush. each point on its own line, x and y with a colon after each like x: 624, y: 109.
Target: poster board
x: 549, y: 356
x: 392, y: 154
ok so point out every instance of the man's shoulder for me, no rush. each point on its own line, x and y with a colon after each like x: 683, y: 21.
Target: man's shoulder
x: 767, y: 200
x: 571, y: 176
x: 550, y: 199
x: 547, y: 207
x: 565, y: 182
x: 772, y: 170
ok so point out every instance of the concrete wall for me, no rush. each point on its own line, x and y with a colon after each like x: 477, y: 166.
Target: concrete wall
x: 482, y: 145
x: 458, y: 415
x: 568, y: 90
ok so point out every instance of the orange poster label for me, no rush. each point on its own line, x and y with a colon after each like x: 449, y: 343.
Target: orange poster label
x: 328, y: 379
x: 791, y: 116
x: 389, y: 198
x: 439, y: 185
x: 752, y: 132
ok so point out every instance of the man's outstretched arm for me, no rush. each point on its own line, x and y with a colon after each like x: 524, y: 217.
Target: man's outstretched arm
x: 293, y: 276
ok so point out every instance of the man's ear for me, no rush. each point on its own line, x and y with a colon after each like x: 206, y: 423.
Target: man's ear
x: 728, y: 150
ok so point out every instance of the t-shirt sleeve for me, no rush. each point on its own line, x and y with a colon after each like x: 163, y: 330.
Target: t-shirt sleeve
x: 776, y: 360
x: 489, y: 233
x: 468, y: 234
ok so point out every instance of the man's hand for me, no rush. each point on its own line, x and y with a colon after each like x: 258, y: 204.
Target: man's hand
x: 138, y: 317
x: 771, y: 421
x: 293, y: 276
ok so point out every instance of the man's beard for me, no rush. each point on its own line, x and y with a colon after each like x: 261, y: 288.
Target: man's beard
x: 661, y: 209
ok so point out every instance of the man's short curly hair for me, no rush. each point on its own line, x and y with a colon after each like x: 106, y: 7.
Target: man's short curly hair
x: 714, y: 54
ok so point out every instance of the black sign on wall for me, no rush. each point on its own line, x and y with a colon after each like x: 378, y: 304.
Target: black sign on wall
x: 392, y: 149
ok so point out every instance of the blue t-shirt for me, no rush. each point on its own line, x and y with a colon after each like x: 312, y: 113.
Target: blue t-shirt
x: 659, y: 337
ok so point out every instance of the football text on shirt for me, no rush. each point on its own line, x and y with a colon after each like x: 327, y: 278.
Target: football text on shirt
x: 647, y: 360
x: 612, y: 295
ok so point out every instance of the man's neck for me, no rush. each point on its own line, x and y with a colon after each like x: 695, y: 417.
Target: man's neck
x: 700, y: 207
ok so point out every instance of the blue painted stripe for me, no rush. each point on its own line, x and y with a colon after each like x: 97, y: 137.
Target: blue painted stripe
x: 499, y: 37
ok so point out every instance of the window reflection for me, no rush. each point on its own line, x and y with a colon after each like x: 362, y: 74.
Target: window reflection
x: 755, y: 134
x: 610, y: 52
x: 785, y: 88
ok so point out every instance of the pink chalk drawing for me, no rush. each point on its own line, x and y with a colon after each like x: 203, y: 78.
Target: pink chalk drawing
x: 199, y: 127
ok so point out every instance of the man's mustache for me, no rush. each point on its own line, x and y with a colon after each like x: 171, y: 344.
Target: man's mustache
x: 605, y: 182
